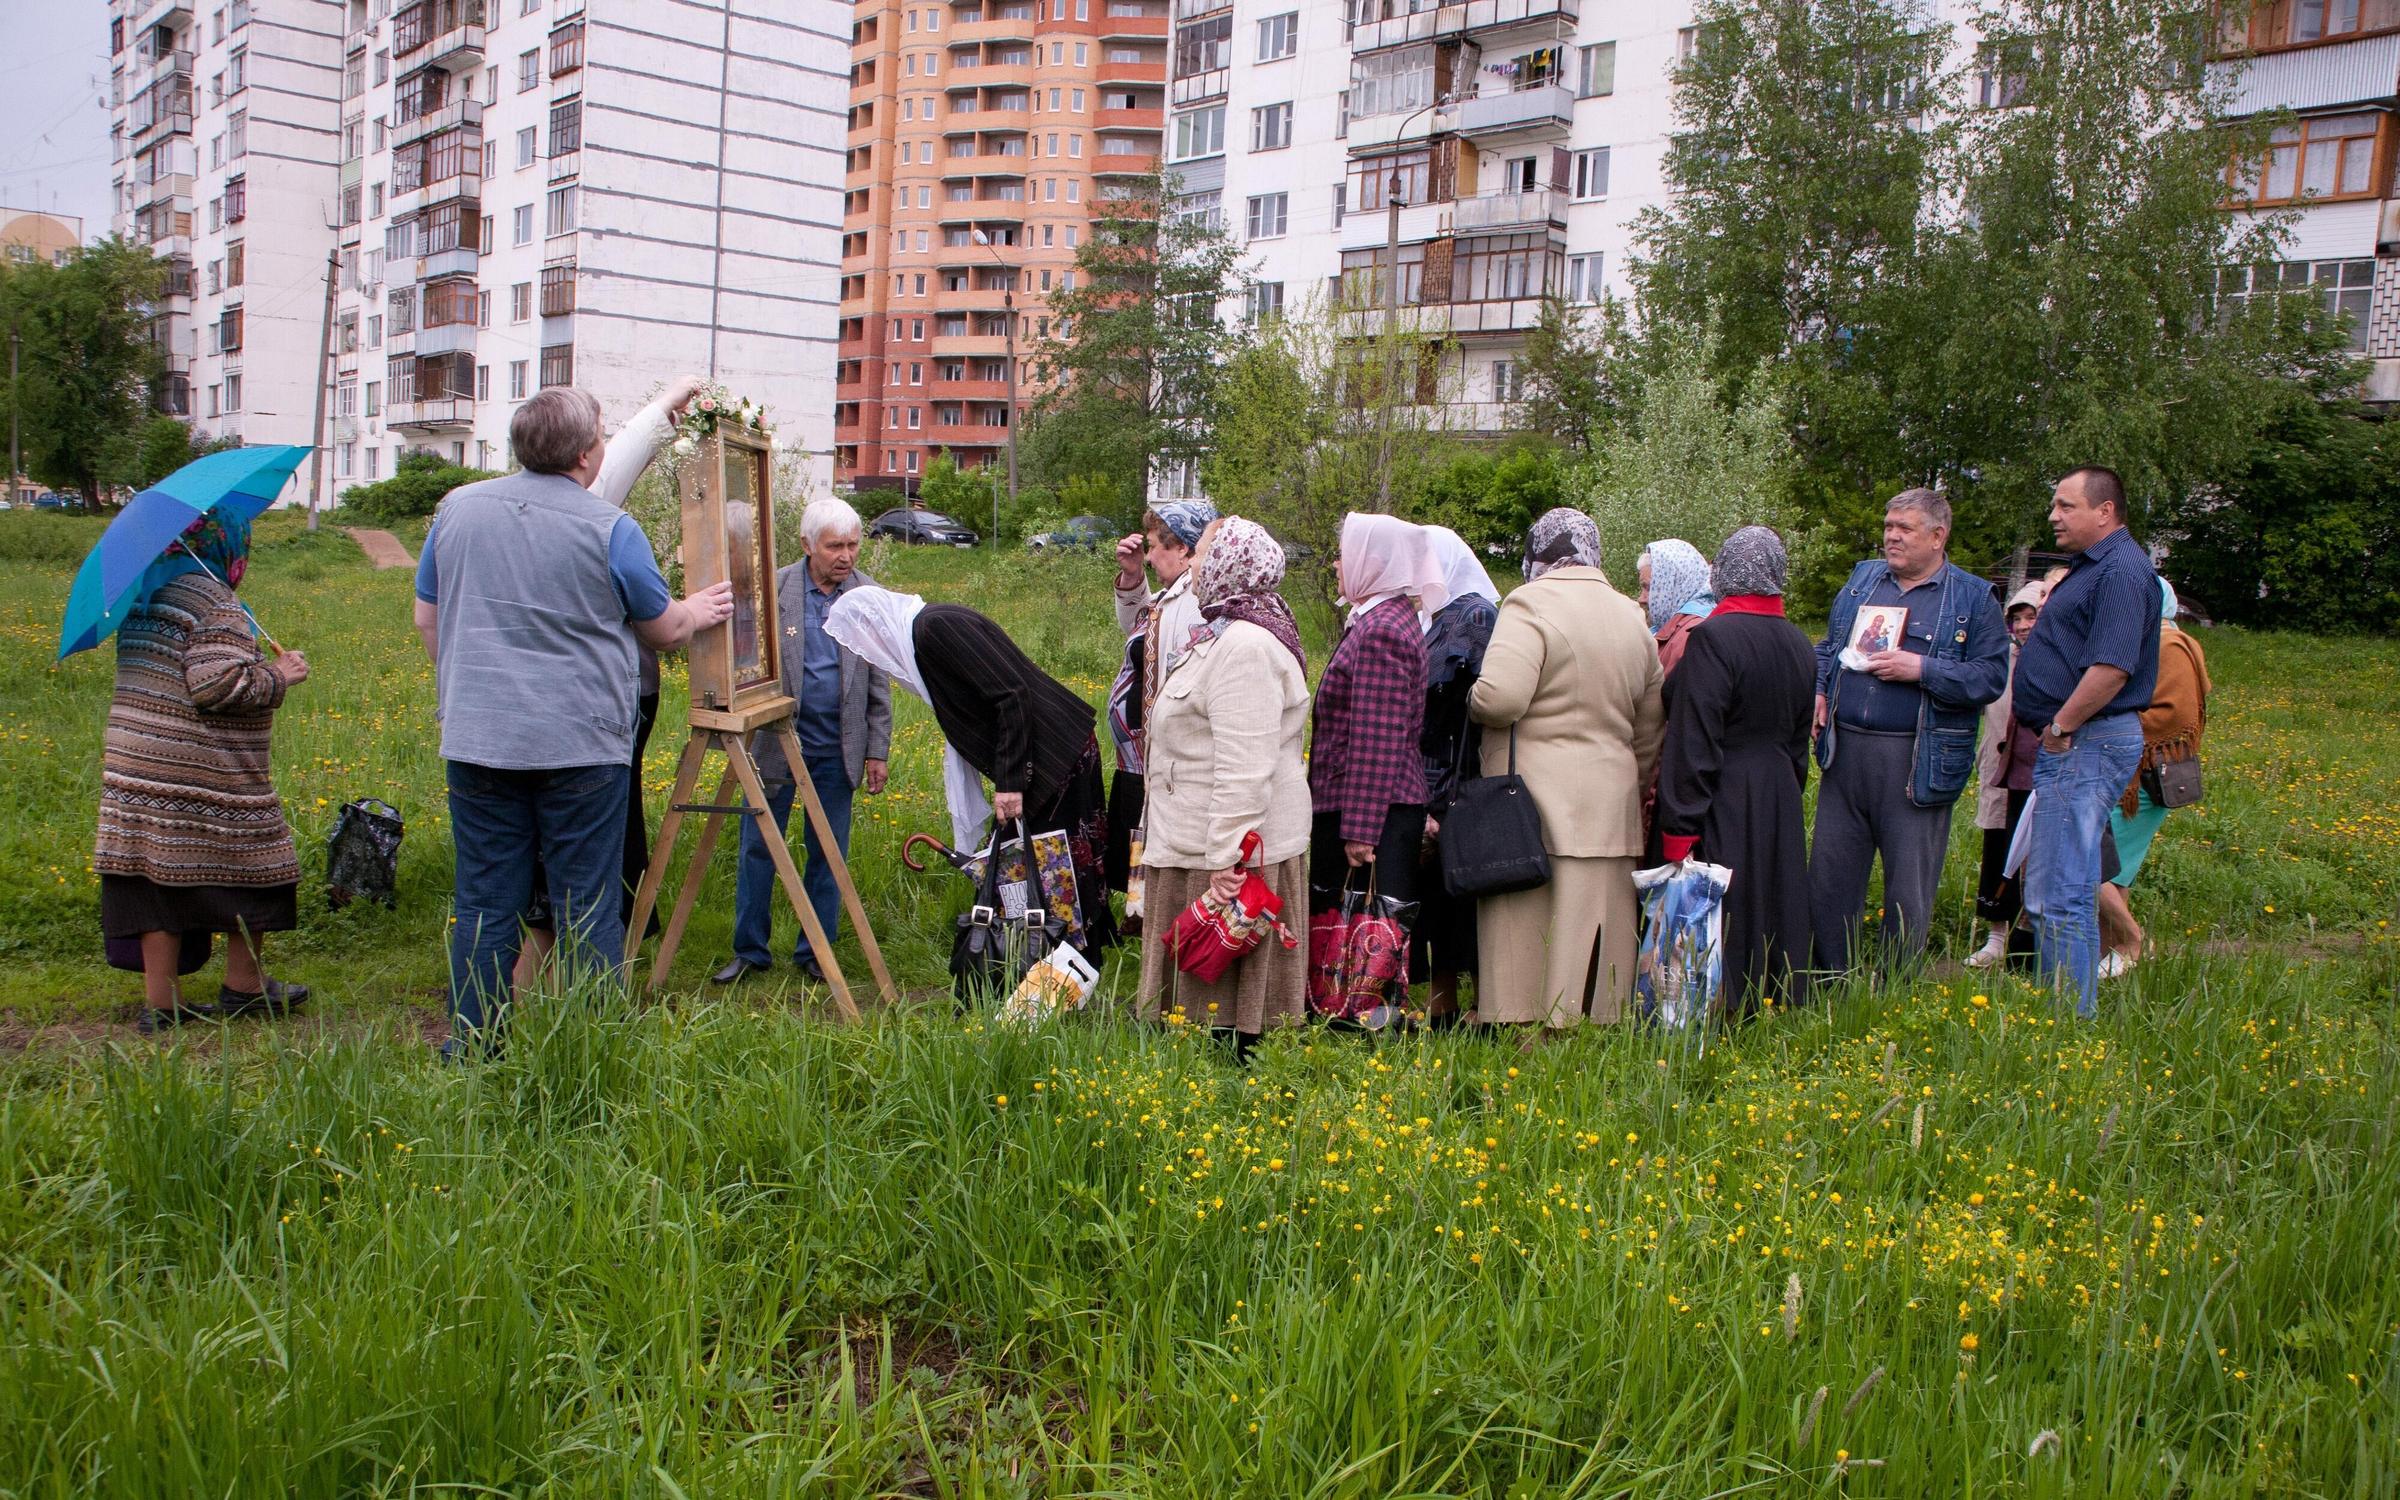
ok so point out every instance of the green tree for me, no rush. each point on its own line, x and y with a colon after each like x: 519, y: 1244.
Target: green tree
x: 1573, y: 370
x: 1129, y: 374
x: 419, y: 482
x: 88, y: 364
x: 154, y: 449
x: 1490, y: 497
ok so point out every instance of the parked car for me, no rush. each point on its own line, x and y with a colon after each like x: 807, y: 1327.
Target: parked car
x: 52, y: 500
x: 1087, y: 533
x: 923, y: 526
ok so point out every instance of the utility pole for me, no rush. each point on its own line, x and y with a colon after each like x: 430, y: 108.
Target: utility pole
x: 1391, y: 333
x: 13, y: 342
x: 1008, y: 304
x: 316, y: 429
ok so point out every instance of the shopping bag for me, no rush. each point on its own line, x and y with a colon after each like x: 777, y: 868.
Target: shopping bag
x: 362, y: 854
x: 1062, y: 980
x: 992, y: 950
x: 1680, y: 969
x: 1211, y: 935
x: 1358, y: 955
x: 1133, y: 881
x: 1059, y: 888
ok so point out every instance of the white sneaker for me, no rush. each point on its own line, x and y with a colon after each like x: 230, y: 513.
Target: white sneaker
x: 2114, y: 965
x: 1991, y: 955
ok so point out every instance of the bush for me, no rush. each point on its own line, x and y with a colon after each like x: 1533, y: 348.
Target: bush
x: 1491, y: 498
x: 418, y: 483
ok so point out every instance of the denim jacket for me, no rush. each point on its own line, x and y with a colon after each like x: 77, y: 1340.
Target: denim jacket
x: 1966, y: 669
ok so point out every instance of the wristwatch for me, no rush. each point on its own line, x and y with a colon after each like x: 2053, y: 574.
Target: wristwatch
x: 2059, y: 731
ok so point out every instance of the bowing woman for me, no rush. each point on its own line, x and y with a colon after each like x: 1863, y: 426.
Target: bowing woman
x: 1005, y: 719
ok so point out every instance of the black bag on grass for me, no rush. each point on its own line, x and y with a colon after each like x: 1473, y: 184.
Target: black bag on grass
x: 362, y: 854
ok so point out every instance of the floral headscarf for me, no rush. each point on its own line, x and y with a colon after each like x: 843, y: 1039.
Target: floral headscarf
x: 1752, y: 561
x: 1562, y: 537
x: 1678, y: 581
x: 1184, y: 519
x: 1384, y: 557
x: 217, y: 544
x: 1236, y: 579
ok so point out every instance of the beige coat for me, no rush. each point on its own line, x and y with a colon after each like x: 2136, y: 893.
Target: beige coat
x: 1573, y: 666
x: 1225, y: 739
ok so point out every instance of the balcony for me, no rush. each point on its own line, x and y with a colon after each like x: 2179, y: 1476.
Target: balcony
x: 1461, y: 20
x: 1538, y: 110
x: 432, y: 121
x: 1131, y: 74
x: 164, y: 188
x: 1001, y: 29
x: 970, y: 345
x: 1524, y: 210
x: 987, y: 164
x: 459, y: 260
x: 168, y: 64
x: 1124, y: 164
x: 1371, y: 228
x: 967, y: 390
x: 1132, y: 28
x: 172, y: 118
x: 990, y: 76
x: 1194, y: 87
x: 415, y: 416
x: 458, y: 50
x: 450, y: 338
x: 164, y: 13
x: 983, y: 211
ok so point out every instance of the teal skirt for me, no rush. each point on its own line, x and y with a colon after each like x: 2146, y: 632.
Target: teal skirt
x: 2133, y: 836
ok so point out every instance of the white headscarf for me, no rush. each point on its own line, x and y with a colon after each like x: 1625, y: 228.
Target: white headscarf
x: 1462, y: 571
x: 879, y: 627
x: 1384, y: 557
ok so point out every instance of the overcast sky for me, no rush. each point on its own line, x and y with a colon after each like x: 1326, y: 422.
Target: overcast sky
x: 53, y: 115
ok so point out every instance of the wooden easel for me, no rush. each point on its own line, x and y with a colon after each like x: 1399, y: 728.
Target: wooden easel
x: 728, y: 732
x: 737, y: 690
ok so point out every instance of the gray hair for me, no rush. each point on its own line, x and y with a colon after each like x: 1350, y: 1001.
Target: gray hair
x: 554, y: 429
x: 1933, y: 505
x: 828, y: 515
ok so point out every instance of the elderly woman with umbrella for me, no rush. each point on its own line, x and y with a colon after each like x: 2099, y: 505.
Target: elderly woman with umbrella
x: 192, y: 839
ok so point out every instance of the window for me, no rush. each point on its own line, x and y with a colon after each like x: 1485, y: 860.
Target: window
x: 229, y: 330
x: 566, y: 127
x: 2001, y: 77
x: 521, y: 225
x: 566, y: 48
x: 376, y: 132
x: 1201, y: 132
x: 1267, y: 215
x: 375, y: 201
x: 1504, y: 268
x: 2331, y: 156
x: 1341, y: 116
x: 1265, y: 301
x: 558, y: 365
x: 529, y: 71
x: 1419, y: 176
x: 1591, y: 173
x: 2346, y: 287
x: 1584, y: 283
x: 237, y: 71
x: 1507, y: 384
x: 383, y: 67
x: 516, y: 379
x: 562, y: 211
x: 558, y: 290
x: 375, y: 334
x: 233, y: 392
x: 1271, y: 127
x: 1278, y: 36
x: 1364, y: 272
x: 483, y: 309
x: 1596, y: 70
x: 2297, y: 22
x: 237, y: 256
x: 237, y: 136
x: 1388, y: 83
x: 237, y: 199
x: 1687, y: 43
x: 374, y: 468
x: 483, y: 382
x: 1204, y: 46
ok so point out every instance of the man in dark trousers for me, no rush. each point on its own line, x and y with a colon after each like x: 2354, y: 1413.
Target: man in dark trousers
x: 2083, y: 678
x: 1896, y: 730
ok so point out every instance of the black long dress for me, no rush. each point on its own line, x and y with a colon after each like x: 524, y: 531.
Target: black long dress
x: 1445, y: 934
x: 1732, y: 772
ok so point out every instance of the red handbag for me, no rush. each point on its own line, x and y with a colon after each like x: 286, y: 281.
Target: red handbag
x: 1210, y: 936
x: 1357, y: 954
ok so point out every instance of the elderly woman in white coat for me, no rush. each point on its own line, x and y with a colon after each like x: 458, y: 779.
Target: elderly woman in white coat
x: 1225, y: 740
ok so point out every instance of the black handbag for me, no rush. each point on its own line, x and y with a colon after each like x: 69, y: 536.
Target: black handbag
x: 2173, y: 783
x: 1492, y: 840
x: 990, y: 953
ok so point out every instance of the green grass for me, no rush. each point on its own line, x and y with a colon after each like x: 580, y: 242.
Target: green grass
x: 722, y: 1247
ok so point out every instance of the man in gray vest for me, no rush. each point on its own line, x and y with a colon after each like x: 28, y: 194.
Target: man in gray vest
x: 532, y: 595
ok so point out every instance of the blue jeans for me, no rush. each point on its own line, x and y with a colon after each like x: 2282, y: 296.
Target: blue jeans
x: 573, y: 818
x: 2072, y: 796
x: 755, y: 894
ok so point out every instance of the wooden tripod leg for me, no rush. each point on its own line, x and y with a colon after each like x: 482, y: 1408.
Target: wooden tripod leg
x: 645, y: 900
x: 694, y: 876
x: 789, y: 873
x: 841, y: 867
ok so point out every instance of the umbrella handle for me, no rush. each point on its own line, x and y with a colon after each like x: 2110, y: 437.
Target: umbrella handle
x: 908, y: 851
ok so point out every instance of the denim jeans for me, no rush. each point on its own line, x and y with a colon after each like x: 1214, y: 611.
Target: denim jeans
x: 573, y: 819
x: 2072, y: 795
x: 755, y: 893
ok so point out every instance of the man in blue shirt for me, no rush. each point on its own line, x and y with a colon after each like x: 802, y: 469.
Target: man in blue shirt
x: 842, y: 713
x: 2083, y: 678
x: 1896, y: 725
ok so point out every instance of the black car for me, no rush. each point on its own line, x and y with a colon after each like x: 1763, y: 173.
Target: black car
x: 923, y: 526
x: 1084, y: 532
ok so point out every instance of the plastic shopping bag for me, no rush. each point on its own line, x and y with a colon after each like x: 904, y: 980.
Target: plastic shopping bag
x: 362, y: 854
x: 1211, y: 935
x: 1680, y: 972
x: 1358, y: 956
x: 1060, y: 980
x: 1058, y: 879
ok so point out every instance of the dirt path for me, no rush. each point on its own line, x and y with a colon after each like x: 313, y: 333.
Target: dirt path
x: 382, y: 548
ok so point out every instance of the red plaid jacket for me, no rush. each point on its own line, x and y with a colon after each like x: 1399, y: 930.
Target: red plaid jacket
x: 1370, y: 714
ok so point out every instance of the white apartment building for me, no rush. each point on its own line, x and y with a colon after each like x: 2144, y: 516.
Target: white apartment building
x: 511, y: 194
x: 1526, y: 137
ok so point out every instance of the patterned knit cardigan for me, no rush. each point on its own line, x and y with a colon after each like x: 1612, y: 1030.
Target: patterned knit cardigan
x: 186, y: 794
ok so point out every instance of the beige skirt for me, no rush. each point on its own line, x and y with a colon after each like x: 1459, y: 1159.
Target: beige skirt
x: 1538, y: 946
x: 1267, y: 988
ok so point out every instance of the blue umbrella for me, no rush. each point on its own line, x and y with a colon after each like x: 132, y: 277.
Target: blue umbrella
x: 240, y: 482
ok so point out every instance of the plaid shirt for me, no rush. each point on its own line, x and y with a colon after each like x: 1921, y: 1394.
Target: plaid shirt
x: 1370, y: 713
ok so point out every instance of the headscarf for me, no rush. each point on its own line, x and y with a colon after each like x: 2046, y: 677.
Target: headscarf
x: 1561, y: 538
x: 2033, y: 596
x: 878, y: 626
x: 1236, y: 578
x: 1384, y: 557
x: 1462, y: 571
x: 2169, y: 606
x: 217, y: 544
x: 1678, y: 581
x: 1752, y: 561
x: 1184, y: 519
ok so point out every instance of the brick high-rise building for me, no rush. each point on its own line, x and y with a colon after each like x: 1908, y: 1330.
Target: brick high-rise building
x: 983, y: 133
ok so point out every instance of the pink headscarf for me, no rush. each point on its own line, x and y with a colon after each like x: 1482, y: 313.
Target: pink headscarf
x: 1384, y: 557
